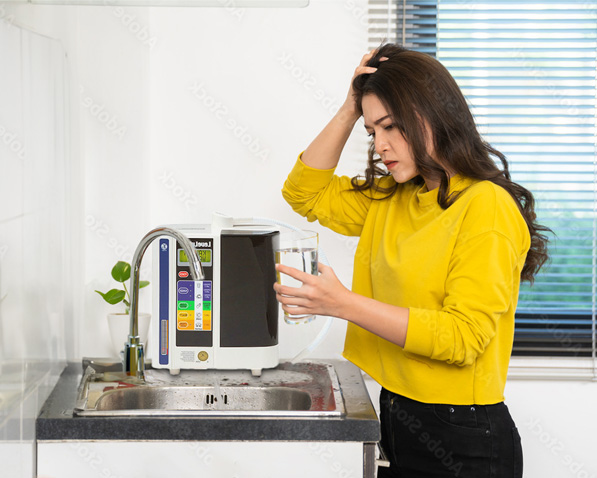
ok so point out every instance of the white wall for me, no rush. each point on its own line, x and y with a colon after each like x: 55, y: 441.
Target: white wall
x: 181, y: 112
x: 35, y: 295
x: 556, y: 422
x: 32, y: 191
x: 189, y: 111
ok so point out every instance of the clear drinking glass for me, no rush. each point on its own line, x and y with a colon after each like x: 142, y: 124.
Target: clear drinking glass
x: 297, y: 249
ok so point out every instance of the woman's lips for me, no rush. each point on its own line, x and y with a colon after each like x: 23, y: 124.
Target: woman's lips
x: 390, y: 164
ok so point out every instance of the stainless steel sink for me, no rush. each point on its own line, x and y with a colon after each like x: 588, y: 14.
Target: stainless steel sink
x: 205, y: 398
x: 303, y: 389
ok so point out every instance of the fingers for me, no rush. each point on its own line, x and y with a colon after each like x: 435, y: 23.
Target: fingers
x: 294, y: 273
x: 367, y: 57
x: 294, y: 305
x: 286, y: 291
x: 291, y: 300
x: 291, y: 304
x: 293, y: 295
x: 363, y: 68
x: 295, y: 292
x: 371, y: 54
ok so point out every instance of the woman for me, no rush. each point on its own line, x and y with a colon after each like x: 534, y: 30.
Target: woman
x: 445, y: 239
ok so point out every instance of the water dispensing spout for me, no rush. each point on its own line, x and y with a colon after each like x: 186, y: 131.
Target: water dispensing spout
x: 134, y: 354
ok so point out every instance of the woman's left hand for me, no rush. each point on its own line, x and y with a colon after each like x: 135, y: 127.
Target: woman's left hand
x: 319, y: 295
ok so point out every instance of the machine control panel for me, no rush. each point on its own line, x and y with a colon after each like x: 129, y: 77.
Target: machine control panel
x: 193, y: 309
x: 194, y: 299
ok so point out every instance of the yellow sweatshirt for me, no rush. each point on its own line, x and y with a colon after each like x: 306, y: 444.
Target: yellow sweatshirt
x: 456, y: 270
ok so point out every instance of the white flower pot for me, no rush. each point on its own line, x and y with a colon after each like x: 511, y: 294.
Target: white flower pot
x: 119, y: 325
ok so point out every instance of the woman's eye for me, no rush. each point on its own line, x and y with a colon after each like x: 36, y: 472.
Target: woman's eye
x: 388, y: 127
x: 371, y: 135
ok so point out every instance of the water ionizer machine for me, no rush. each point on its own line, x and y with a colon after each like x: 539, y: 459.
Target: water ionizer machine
x: 229, y: 320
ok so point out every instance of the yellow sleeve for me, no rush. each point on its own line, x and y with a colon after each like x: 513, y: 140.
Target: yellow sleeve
x: 318, y: 194
x: 479, y: 290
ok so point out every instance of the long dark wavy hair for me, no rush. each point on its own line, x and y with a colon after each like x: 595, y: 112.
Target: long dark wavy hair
x: 418, y: 91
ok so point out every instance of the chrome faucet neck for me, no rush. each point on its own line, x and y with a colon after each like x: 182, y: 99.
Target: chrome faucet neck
x: 134, y: 354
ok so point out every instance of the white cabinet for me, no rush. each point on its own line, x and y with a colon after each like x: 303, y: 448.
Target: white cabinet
x: 217, y: 459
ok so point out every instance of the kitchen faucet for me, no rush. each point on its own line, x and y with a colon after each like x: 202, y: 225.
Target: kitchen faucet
x: 134, y: 354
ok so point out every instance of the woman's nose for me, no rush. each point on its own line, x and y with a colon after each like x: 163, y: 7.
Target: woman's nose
x: 381, y: 145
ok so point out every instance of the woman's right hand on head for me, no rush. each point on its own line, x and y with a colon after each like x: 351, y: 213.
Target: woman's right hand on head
x: 350, y: 105
x: 325, y: 150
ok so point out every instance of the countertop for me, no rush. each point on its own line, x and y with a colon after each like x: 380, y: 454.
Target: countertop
x: 56, y: 421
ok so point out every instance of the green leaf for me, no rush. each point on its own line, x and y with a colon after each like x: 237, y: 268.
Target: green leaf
x: 143, y: 283
x: 121, y: 272
x: 113, y: 296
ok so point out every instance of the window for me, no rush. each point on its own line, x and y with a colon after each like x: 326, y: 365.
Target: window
x: 528, y: 70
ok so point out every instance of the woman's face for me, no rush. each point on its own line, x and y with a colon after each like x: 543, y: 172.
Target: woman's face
x: 391, y: 146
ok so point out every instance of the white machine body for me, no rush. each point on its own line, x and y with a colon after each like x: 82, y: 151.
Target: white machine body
x: 229, y: 320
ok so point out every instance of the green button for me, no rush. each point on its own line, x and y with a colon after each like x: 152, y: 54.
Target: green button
x: 186, y: 305
x: 206, y: 305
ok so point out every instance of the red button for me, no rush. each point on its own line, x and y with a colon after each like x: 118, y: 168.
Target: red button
x: 183, y: 274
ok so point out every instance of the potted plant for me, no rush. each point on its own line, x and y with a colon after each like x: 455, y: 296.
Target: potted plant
x: 119, y: 322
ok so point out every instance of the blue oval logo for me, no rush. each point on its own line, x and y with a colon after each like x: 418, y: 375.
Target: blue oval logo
x: 183, y: 290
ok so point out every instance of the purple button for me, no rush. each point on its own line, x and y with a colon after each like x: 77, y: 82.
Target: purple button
x: 185, y: 289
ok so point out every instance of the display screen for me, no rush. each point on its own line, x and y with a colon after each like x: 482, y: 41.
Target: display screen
x: 204, y: 256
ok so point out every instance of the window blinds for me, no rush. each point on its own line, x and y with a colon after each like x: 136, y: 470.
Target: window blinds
x: 411, y: 23
x: 528, y: 70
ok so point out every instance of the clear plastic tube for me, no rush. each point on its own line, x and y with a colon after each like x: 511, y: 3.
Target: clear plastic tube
x: 322, y: 258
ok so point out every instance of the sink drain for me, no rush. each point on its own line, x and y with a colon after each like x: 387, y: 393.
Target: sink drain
x: 210, y: 399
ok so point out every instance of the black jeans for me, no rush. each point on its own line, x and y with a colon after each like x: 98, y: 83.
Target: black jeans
x: 424, y: 440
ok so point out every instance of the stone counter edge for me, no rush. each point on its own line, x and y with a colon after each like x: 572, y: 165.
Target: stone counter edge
x: 57, y: 423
